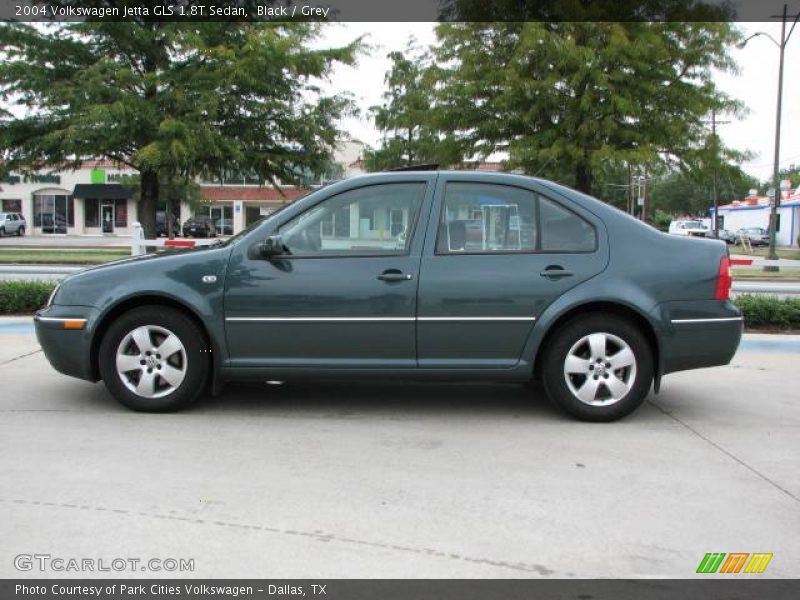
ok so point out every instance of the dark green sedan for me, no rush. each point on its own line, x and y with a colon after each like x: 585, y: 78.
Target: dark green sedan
x: 421, y: 275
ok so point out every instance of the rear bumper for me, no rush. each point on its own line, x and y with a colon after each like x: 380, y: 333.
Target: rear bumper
x: 67, y: 350
x: 698, y: 334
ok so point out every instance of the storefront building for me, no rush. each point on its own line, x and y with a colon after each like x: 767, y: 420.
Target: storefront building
x: 85, y: 201
x: 754, y: 211
x: 92, y: 200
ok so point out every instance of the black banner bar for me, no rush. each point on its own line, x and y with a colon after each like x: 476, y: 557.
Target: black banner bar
x: 733, y: 588
x: 387, y: 10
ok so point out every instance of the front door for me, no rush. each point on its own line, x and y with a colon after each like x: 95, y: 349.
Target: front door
x: 344, y: 295
x: 500, y: 256
x: 108, y: 218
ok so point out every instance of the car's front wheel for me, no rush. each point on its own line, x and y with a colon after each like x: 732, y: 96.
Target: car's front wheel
x: 21, y: 231
x: 598, y: 367
x: 154, y: 359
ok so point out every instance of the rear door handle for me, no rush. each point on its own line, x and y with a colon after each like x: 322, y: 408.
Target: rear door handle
x: 394, y: 275
x: 555, y: 272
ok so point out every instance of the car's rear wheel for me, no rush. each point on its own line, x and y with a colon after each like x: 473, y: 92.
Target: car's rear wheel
x: 154, y: 359
x: 598, y: 367
x: 21, y: 231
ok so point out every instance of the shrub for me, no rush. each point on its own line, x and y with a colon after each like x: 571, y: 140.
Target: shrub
x: 19, y: 297
x: 769, y: 311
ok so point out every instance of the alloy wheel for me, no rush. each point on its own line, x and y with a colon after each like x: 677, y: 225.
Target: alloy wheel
x: 600, y: 369
x: 151, y: 361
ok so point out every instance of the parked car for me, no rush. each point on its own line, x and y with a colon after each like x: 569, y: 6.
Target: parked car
x: 593, y: 303
x: 727, y: 236
x: 758, y: 236
x: 161, y: 224
x: 693, y: 227
x: 12, y: 224
x: 199, y: 226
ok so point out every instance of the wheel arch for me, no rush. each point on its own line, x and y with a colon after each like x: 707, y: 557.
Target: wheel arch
x: 616, y: 308
x: 130, y: 303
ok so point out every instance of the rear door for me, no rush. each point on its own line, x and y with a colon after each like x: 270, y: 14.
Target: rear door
x: 496, y: 256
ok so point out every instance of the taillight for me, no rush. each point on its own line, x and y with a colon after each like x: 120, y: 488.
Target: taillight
x: 724, y: 280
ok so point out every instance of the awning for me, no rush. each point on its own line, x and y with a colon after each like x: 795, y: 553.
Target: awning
x: 102, y: 191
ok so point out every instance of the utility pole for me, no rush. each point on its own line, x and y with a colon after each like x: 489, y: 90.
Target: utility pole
x: 715, y: 150
x: 716, y: 172
x: 776, y: 199
x: 630, y: 191
x: 776, y: 183
x: 645, y: 198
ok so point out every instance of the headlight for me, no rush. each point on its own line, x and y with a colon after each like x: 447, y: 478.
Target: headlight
x: 52, y: 295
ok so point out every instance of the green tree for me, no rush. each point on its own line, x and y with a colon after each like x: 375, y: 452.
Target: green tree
x: 174, y: 189
x: 692, y: 193
x: 568, y: 100
x: 170, y: 97
x: 409, y: 129
x: 792, y: 173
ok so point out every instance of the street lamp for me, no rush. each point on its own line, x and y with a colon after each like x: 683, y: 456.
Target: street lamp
x: 773, y: 215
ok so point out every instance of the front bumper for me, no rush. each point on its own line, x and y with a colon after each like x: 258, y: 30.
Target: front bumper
x: 699, y: 334
x: 67, y: 346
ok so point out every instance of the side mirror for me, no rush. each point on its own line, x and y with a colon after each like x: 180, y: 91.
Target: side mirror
x: 272, y: 246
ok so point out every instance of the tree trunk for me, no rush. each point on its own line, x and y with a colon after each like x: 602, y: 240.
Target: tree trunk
x: 583, y: 178
x: 168, y: 217
x: 148, y: 201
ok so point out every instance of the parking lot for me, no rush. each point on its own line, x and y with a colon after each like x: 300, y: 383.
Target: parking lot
x: 404, y: 480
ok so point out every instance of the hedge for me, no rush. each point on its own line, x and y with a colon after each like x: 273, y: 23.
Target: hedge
x: 25, y: 297
x: 769, y: 311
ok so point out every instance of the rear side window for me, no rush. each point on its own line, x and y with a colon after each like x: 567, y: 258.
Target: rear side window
x: 563, y: 230
x: 480, y: 218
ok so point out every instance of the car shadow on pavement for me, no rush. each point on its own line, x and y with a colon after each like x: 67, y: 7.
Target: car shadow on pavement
x: 352, y: 399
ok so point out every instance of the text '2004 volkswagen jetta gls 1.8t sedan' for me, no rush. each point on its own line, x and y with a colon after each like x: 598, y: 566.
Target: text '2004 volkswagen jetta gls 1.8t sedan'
x: 422, y: 275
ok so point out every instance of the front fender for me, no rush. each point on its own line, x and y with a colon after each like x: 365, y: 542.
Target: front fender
x: 194, y: 281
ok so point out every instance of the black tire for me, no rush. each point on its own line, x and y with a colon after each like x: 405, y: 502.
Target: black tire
x: 639, y: 378
x: 196, y: 367
x: 21, y: 231
x: 2, y: 232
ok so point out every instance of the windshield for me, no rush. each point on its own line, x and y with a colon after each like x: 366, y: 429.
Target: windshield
x: 693, y: 225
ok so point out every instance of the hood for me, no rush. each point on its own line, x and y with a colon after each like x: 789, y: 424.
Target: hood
x: 138, y: 261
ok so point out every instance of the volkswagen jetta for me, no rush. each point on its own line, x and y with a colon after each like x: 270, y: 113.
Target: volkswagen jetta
x: 422, y: 275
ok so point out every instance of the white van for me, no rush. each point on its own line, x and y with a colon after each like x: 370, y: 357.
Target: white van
x: 693, y: 227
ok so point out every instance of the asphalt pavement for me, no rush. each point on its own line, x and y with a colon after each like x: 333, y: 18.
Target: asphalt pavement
x: 403, y: 480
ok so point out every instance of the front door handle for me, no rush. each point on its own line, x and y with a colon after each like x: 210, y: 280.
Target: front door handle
x: 554, y: 272
x: 394, y: 275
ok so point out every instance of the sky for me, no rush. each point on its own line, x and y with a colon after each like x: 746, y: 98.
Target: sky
x: 755, y: 85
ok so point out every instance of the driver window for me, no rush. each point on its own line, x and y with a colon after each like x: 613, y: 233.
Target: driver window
x: 372, y: 220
